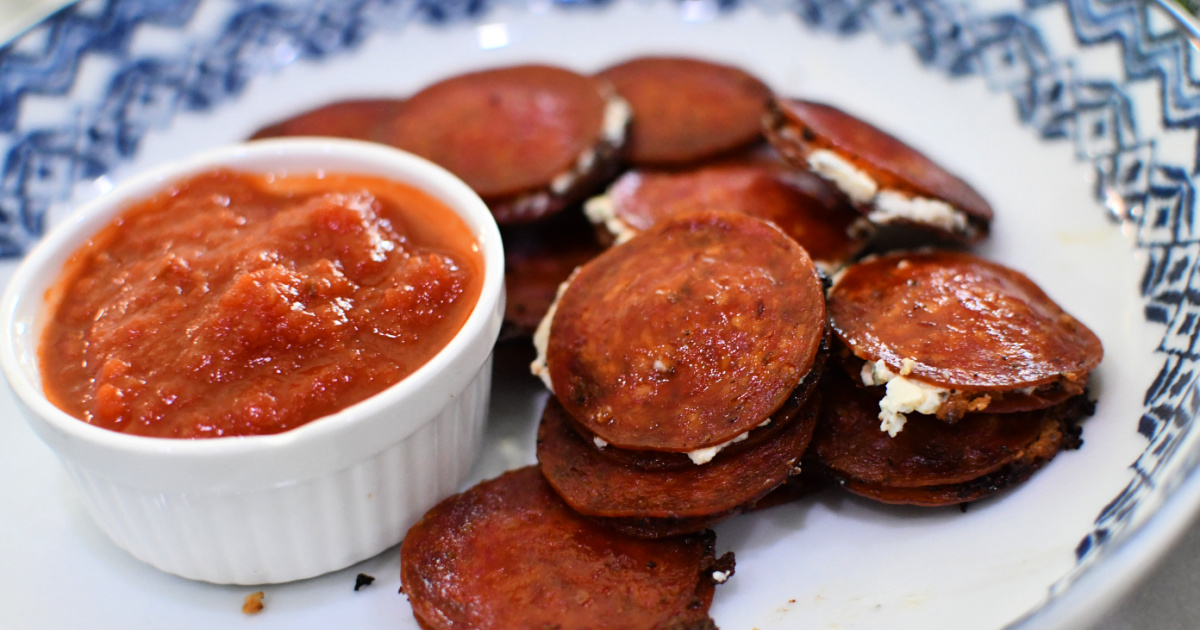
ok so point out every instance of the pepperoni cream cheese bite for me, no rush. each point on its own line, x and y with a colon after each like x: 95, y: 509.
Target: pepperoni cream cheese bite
x: 889, y: 181
x: 949, y: 333
x: 688, y: 110
x: 667, y: 502
x: 933, y: 462
x: 692, y: 355
x: 530, y: 140
x: 803, y: 205
x: 508, y: 553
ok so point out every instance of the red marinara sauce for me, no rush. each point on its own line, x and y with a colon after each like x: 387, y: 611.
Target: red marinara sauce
x: 239, y: 304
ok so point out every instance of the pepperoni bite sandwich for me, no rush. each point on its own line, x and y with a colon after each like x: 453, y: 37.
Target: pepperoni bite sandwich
x: 969, y: 378
x: 758, y: 183
x: 889, y: 181
x: 508, y: 553
x: 655, y: 374
x: 530, y: 140
x: 687, y: 110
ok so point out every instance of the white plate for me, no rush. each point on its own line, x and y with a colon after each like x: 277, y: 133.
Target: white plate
x: 1054, y: 111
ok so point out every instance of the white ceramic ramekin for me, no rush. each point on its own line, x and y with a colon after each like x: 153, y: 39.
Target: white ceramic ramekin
x: 274, y: 508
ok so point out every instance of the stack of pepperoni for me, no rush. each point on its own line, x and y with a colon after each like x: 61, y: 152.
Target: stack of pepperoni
x: 685, y: 332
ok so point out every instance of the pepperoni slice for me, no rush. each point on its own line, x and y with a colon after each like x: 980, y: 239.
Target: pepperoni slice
x: 803, y: 205
x: 505, y: 131
x: 961, y: 322
x: 686, y: 110
x: 537, y: 258
x: 796, y: 128
x: 660, y: 460
x: 932, y: 462
x: 595, y: 485
x: 357, y: 120
x: 702, y: 349
x: 508, y: 553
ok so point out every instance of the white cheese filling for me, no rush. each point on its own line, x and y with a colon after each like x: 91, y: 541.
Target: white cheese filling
x: 601, y: 210
x: 541, y: 336
x: 705, y: 455
x: 892, y: 206
x: 904, y: 395
x: 616, y: 119
x: 720, y: 576
x: 857, y: 185
x: 887, y: 206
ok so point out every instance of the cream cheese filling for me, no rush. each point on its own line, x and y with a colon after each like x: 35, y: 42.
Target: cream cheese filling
x: 601, y: 210
x: 705, y: 455
x: 891, y: 206
x: 616, y: 120
x: 887, y: 206
x: 903, y: 395
x: 541, y: 335
x: 858, y: 186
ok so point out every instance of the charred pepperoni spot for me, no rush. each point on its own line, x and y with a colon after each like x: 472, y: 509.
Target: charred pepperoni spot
x: 596, y: 485
x: 615, y: 322
x: 981, y: 326
x: 803, y: 205
x: 508, y: 553
x: 503, y: 131
x: 797, y: 127
x: 686, y: 110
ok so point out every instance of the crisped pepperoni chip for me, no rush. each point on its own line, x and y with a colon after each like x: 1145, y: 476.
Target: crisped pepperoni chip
x: 960, y: 322
x: 537, y: 258
x: 696, y: 352
x: 595, y: 485
x: 686, y: 110
x: 797, y: 128
x: 356, y: 120
x: 505, y: 131
x: 804, y: 206
x: 508, y: 553
x: 932, y: 462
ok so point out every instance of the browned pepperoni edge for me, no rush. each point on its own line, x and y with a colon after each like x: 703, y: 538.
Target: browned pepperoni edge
x: 795, y: 488
x: 594, y: 485
x: 1056, y: 437
x: 701, y: 350
x: 507, y: 132
x: 659, y: 460
x: 686, y: 110
x: 356, y: 119
x: 797, y: 128
x: 508, y: 553
x: 537, y: 258
x: 966, y: 323
x: 803, y: 205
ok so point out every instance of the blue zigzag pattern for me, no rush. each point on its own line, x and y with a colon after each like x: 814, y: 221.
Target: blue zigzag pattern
x: 42, y: 164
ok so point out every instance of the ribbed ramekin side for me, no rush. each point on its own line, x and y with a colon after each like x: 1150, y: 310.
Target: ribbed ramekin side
x: 299, y: 529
